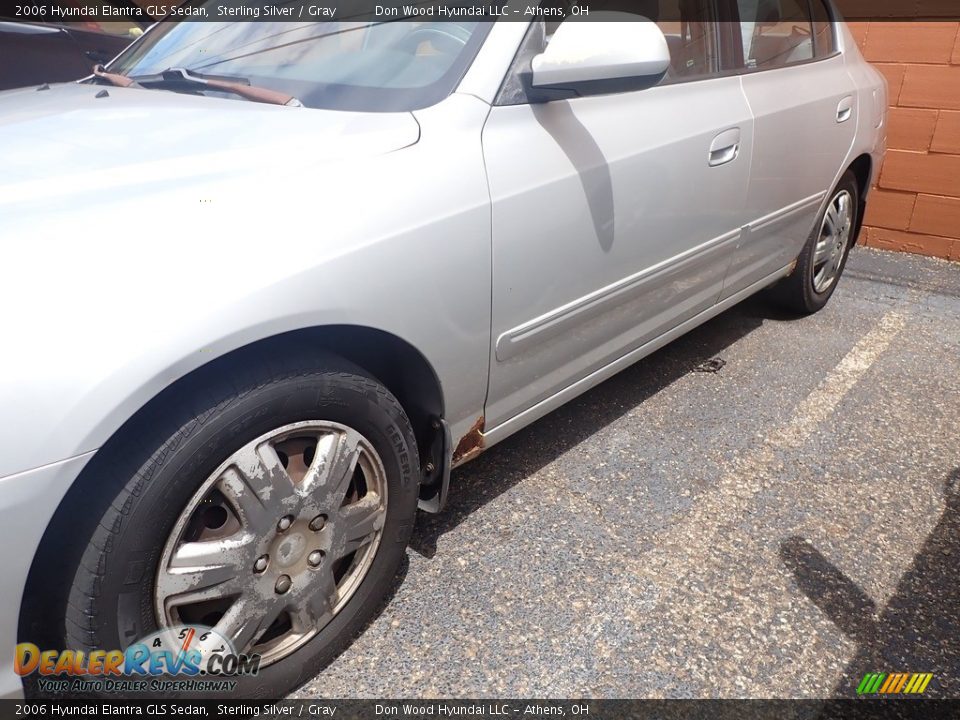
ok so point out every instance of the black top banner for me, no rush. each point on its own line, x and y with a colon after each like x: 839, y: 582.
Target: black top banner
x: 148, y: 11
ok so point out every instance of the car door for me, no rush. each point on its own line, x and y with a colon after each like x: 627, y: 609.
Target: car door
x: 614, y: 216
x: 804, y: 107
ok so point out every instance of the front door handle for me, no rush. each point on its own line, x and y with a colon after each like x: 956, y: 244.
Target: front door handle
x: 845, y: 109
x: 725, y: 147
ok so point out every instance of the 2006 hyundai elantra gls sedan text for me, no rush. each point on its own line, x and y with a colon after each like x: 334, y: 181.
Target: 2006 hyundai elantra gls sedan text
x: 265, y: 284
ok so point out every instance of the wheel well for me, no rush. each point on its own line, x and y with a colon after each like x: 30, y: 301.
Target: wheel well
x: 399, y: 366
x: 402, y: 369
x: 862, y: 169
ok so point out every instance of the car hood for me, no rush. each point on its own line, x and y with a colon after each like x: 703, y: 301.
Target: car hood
x: 75, y: 138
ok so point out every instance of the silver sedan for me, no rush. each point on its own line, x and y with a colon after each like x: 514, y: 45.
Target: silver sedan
x: 267, y: 283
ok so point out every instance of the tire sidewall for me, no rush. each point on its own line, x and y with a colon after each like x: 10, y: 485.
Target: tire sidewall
x: 174, y: 474
x: 812, y: 299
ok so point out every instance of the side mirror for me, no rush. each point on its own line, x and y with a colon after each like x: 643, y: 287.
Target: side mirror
x: 610, y: 52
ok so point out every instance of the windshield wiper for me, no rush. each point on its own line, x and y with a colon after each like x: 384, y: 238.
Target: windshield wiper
x: 113, y: 78
x: 182, y: 76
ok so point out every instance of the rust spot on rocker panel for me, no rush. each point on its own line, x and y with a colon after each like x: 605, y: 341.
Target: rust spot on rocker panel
x: 471, y: 444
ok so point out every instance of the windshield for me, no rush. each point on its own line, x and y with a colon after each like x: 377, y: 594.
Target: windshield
x: 391, y: 66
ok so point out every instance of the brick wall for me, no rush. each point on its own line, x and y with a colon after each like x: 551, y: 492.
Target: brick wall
x: 916, y: 207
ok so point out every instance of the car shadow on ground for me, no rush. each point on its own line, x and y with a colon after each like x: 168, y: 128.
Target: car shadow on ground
x: 526, y: 452
x: 918, y: 629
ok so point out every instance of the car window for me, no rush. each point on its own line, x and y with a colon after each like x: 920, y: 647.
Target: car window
x: 824, y: 42
x: 775, y: 33
x: 363, y: 66
x: 691, y: 32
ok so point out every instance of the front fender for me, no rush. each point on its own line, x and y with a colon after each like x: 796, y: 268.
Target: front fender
x: 111, y: 302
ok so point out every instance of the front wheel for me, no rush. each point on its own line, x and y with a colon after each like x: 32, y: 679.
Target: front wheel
x: 277, y: 517
x: 823, y: 258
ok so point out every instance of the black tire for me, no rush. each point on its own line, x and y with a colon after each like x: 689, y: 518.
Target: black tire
x: 111, y: 592
x: 796, y: 292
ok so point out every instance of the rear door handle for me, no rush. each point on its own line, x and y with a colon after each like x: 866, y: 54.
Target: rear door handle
x: 845, y: 109
x: 725, y: 147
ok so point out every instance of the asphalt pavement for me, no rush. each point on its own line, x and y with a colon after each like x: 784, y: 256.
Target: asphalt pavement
x: 767, y: 507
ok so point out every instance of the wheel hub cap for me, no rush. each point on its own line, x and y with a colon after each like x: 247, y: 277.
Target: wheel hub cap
x: 305, y: 506
x: 290, y: 550
x: 835, y: 232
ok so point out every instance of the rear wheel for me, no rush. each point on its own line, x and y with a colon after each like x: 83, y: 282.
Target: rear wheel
x: 822, y: 260
x: 277, y: 517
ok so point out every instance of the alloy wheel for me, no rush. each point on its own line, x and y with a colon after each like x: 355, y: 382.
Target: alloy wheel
x: 277, y: 539
x: 835, y: 232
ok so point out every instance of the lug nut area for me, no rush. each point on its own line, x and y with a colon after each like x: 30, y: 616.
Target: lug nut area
x: 291, y: 551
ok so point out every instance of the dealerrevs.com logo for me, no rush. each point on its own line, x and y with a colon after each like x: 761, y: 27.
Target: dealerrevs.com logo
x: 186, y: 658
